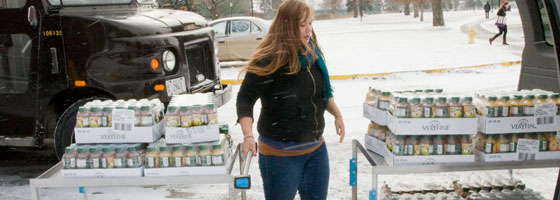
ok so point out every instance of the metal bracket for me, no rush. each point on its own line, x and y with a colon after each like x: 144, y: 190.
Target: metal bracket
x: 353, y: 172
x: 54, y: 61
x: 372, y: 195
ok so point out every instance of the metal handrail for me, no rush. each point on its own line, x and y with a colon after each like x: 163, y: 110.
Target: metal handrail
x: 381, y: 167
x: 244, y: 164
x: 51, y: 178
x: 355, y: 147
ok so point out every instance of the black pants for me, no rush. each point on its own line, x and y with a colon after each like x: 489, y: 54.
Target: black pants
x: 502, y: 30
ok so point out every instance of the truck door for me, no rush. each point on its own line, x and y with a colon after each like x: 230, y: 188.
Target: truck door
x: 539, y: 60
x: 19, y: 38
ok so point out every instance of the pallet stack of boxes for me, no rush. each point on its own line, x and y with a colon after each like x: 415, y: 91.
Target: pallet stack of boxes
x: 126, y: 138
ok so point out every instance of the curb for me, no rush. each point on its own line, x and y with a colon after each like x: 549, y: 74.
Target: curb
x: 353, y: 76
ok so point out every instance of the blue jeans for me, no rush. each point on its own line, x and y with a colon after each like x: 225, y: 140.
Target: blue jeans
x: 284, y: 176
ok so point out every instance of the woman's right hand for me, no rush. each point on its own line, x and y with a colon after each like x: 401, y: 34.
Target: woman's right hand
x: 249, y: 144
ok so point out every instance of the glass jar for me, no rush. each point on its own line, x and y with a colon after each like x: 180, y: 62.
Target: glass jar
x: 415, y: 108
x: 442, y: 108
x: 428, y: 108
x: 152, y: 157
x: 165, y: 159
x: 69, y: 158
x: 191, y: 156
x: 205, y: 156
x: 455, y: 108
x: 218, y: 158
x: 503, y: 106
x: 469, y: 111
x: 178, y: 155
x: 403, y: 108
x: 466, y: 145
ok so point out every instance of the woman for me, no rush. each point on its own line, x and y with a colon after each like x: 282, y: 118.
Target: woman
x: 501, y: 23
x: 288, y: 74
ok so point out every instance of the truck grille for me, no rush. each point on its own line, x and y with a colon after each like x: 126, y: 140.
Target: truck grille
x: 199, y: 61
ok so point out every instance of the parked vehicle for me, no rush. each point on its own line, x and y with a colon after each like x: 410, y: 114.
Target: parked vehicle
x: 57, y: 54
x: 541, y: 54
x: 238, y: 37
x: 540, y: 61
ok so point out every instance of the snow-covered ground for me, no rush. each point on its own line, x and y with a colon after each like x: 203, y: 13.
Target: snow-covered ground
x: 394, y: 42
x: 380, y: 43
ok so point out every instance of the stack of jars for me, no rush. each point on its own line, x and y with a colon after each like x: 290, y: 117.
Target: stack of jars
x: 160, y: 155
x: 420, y: 190
x: 515, y: 103
x: 422, y: 103
x: 417, y: 145
x: 507, y: 143
x: 100, y: 113
x: 377, y: 131
x: 384, y: 98
x: 103, y: 156
x: 191, y: 110
x: 493, y: 186
x: 432, y: 105
x: 487, y: 187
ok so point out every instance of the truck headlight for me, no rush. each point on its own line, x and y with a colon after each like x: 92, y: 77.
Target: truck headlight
x: 169, y: 60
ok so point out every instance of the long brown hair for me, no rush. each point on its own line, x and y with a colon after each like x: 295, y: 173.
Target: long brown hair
x: 503, y: 6
x: 283, y: 41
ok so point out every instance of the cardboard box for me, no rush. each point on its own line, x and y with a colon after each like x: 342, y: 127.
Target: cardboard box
x: 548, y: 155
x: 375, y: 145
x: 432, y: 126
x: 189, y: 135
x: 498, y: 157
x: 376, y: 115
x: 427, y: 159
x: 495, y: 157
x: 102, y: 173
x: 185, y: 171
x: 498, y: 125
x: 110, y: 135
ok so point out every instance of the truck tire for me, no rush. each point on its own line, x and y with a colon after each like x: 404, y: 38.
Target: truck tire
x: 64, y: 131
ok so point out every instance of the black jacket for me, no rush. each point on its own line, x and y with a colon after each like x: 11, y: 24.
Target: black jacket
x: 292, y: 105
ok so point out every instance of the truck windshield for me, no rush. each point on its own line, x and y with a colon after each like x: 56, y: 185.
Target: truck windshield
x: 88, y: 2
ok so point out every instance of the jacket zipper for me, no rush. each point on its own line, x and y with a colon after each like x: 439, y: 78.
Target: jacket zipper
x: 314, y: 106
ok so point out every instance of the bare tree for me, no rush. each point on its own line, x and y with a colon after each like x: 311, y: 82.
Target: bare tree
x: 356, y: 5
x: 391, y: 6
x: 437, y: 13
x: 455, y: 4
x: 215, y: 9
x: 269, y: 7
x: 406, y: 4
x: 419, y: 6
x: 415, y: 8
x: 333, y: 5
x: 209, y: 8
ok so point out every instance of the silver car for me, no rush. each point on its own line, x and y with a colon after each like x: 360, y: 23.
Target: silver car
x: 238, y: 37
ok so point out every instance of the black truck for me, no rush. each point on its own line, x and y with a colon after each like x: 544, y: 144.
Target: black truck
x: 57, y: 54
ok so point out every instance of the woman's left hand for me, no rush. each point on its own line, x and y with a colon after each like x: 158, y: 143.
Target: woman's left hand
x: 339, y: 127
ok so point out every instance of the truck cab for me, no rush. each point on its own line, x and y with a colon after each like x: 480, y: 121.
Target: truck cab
x: 57, y: 54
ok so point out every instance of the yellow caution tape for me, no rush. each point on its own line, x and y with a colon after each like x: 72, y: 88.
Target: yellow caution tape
x: 353, y: 76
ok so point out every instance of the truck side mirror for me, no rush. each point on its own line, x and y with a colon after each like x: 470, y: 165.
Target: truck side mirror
x: 32, y: 16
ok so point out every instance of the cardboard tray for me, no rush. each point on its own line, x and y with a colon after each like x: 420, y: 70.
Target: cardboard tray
x: 498, y: 125
x: 109, y: 135
x: 189, y: 135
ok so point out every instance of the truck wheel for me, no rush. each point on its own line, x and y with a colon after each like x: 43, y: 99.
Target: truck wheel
x: 64, y: 131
